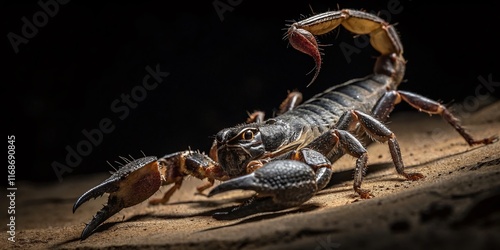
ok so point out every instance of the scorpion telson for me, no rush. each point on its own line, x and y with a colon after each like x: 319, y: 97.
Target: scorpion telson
x: 287, y: 159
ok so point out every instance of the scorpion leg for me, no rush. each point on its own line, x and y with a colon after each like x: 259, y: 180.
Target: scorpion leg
x: 342, y: 138
x: 256, y: 116
x: 279, y: 184
x: 318, y: 162
x: 430, y: 107
x: 293, y: 99
x: 181, y: 164
x: 379, y: 132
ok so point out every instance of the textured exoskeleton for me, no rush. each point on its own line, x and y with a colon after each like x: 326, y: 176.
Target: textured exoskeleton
x: 289, y: 158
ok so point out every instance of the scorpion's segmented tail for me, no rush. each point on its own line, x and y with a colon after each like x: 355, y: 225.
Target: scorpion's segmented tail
x: 383, y: 36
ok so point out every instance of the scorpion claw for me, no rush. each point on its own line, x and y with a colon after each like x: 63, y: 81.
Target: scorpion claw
x: 279, y: 185
x: 107, y: 186
x: 246, y: 182
x: 102, y: 215
x: 130, y: 185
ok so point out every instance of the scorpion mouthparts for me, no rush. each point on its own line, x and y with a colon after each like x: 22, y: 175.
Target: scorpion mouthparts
x: 246, y: 182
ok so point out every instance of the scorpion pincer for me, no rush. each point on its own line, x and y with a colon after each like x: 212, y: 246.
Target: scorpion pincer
x: 288, y: 158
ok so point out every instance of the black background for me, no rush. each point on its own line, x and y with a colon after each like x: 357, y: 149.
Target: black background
x: 89, y: 54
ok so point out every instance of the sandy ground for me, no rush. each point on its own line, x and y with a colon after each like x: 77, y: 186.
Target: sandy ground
x: 456, y: 206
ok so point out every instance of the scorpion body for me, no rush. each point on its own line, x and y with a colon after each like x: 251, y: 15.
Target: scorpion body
x: 289, y: 158
x: 324, y: 110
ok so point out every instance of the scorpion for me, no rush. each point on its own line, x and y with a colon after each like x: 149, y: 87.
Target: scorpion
x: 288, y: 158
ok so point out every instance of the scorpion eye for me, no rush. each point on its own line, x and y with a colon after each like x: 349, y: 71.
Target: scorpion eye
x: 248, y: 135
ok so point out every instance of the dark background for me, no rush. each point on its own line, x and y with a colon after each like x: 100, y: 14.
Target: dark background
x: 89, y: 54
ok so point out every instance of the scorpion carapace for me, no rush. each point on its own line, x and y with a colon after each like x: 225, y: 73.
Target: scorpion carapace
x: 290, y: 157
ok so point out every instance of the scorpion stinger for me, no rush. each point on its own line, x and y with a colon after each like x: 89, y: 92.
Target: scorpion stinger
x: 288, y: 158
x: 383, y: 36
